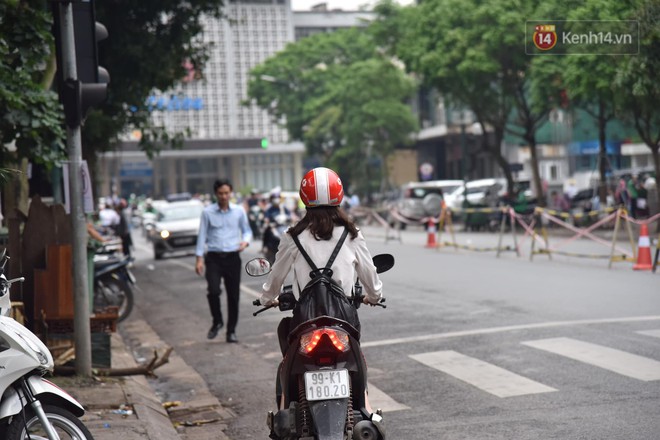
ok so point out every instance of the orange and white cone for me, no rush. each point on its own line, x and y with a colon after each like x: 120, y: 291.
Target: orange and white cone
x: 431, y: 231
x: 644, y: 254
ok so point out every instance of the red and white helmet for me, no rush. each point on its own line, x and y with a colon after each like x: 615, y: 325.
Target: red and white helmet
x: 321, y: 187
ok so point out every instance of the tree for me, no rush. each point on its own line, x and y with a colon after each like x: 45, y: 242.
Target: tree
x: 342, y: 97
x: 149, y: 42
x: 474, y: 54
x: 637, y: 85
x: 590, y: 80
x: 31, y: 120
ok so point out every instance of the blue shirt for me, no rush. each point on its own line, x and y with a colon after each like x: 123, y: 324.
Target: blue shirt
x: 222, y: 231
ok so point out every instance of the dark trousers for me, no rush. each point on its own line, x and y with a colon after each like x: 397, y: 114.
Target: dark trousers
x: 227, y: 266
x: 126, y: 243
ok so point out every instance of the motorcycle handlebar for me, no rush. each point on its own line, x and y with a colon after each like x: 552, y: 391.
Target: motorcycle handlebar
x: 360, y: 298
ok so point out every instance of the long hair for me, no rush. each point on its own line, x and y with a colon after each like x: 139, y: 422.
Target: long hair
x: 322, y: 220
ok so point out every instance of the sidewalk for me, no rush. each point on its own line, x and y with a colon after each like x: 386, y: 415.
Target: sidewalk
x: 127, y: 407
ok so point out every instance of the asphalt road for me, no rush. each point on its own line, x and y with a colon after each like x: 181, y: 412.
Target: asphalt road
x: 471, y: 346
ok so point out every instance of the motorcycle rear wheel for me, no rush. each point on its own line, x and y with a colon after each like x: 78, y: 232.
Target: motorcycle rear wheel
x: 114, y: 292
x: 67, y: 425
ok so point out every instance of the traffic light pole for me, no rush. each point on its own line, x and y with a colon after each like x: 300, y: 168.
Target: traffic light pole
x: 81, y: 315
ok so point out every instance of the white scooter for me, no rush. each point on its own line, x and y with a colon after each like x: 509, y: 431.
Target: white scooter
x: 31, y: 407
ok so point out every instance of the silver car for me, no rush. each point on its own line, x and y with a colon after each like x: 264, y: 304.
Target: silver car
x: 422, y: 199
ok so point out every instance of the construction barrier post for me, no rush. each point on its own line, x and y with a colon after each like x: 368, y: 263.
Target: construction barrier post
x: 617, y: 223
x: 644, y: 250
x: 657, y: 253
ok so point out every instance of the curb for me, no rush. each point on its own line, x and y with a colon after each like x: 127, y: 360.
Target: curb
x: 196, y: 414
x: 146, y: 405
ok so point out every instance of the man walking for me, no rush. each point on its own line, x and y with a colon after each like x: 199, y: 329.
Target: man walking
x: 224, y: 231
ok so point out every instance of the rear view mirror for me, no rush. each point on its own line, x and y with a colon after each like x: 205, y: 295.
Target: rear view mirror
x: 257, y: 267
x: 383, y: 262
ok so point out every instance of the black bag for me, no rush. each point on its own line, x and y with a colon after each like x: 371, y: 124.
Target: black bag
x: 323, y: 296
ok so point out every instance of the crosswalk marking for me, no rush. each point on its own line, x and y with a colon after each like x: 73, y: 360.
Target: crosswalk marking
x: 488, y: 377
x: 621, y: 362
x: 655, y: 333
x: 378, y: 399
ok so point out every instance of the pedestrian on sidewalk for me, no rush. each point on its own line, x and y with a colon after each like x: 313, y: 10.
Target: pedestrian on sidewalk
x: 123, y: 229
x: 224, y: 232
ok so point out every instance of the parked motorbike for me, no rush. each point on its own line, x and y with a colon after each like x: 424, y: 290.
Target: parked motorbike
x: 273, y: 231
x: 31, y: 407
x: 113, y: 284
x: 323, y: 376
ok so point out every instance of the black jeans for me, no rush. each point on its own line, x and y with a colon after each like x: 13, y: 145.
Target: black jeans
x: 227, y: 266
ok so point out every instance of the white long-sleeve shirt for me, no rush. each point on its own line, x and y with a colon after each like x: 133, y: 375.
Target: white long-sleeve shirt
x: 353, y: 261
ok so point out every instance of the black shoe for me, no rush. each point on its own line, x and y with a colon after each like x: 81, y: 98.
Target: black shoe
x: 214, y: 331
x: 231, y: 338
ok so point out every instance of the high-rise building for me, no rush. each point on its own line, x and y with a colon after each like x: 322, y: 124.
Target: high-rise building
x: 226, y: 135
x: 320, y: 19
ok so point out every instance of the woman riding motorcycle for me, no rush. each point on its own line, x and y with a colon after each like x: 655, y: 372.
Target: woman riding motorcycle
x: 319, y: 231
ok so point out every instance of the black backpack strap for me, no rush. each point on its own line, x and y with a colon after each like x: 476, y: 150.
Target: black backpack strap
x: 328, y: 265
x: 304, y: 254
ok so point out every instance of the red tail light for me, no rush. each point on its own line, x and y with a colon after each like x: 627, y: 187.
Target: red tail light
x: 310, y: 340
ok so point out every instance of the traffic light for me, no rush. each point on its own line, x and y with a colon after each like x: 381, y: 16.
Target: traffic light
x: 91, y: 87
x: 264, y: 143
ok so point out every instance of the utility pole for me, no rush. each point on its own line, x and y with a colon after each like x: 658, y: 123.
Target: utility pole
x: 82, y: 84
x: 81, y: 314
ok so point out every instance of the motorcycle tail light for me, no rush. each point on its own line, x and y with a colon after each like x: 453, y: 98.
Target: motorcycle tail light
x: 310, y: 340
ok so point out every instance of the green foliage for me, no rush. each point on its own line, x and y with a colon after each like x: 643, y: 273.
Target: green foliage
x: 31, y: 117
x: 636, y: 80
x: 148, y: 42
x: 340, y: 95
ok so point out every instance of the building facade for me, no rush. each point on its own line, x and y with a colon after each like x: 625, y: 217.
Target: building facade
x: 225, y: 135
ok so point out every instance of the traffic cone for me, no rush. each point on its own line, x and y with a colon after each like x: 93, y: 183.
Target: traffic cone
x: 431, y: 230
x: 644, y: 254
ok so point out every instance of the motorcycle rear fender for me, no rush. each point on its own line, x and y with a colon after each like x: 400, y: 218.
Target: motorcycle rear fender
x: 45, y: 391
x: 329, y: 418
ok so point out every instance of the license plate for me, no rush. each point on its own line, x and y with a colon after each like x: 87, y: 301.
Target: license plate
x: 183, y: 240
x: 327, y: 384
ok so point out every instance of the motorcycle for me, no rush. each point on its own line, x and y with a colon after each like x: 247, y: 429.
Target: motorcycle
x: 272, y: 235
x: 30, y: 406
x: 256, y: 220
x: 322, y: 379
x: 113, y: 284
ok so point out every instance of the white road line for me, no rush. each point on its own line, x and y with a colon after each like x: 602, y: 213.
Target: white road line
x: 378, y: 399
x: 250, y: 291
x: 485, y: 376
x: 507, y: 328
x: 655, y: 333
x: 621, y: 362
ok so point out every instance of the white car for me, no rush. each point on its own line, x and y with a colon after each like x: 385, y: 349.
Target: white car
x: 484, y: 192
x: 176, y: 227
